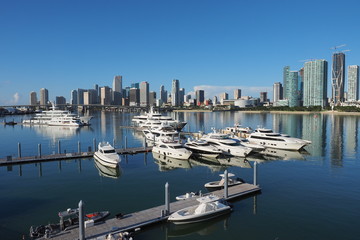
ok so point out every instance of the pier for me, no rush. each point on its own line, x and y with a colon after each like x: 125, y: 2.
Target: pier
x: 153, y: 215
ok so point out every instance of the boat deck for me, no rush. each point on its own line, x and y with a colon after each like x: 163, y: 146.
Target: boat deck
x: 150, y: 216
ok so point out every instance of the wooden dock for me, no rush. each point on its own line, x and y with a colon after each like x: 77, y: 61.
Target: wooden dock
x: 150, y: 216
x: 66, y: 156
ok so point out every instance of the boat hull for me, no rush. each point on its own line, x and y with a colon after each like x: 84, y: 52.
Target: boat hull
x: 201, y: 217
x: 109, y: 162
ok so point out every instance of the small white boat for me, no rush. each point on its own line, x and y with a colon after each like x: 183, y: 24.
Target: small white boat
x: 220, y: 184
x: 107, y: 155
x: 210, y: 207
x: 188, y: 195
x: 171, y: 149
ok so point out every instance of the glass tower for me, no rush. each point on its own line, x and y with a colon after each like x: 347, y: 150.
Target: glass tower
x: 353, y: 83
x: 338, y: 76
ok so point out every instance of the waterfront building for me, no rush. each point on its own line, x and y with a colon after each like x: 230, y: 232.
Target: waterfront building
x: 338, y: 77
x: 315, y: 83
x: 175, y: 93
x: 117, y: 90
x: 60, y: 100
x: 263, y: 97
x: 223, y: 96
x: 277, y: 92
x: 135, y: 85
x: 80, y: 96
x: 163, y: 94
x: 97, y: 94
x: 187, y: 98
x: 292, y: 88
x: 286, y: 71
x: 237, y: 94
x: 215, y: 100
x: 200, y: 97
x: 134, y: 97
x: 87, y: 99
x: 33, y: 98
x: 105, y: 95
x: 301, y: 86
x: 44, y: 96
x: 144, y: 94
x: 152, y: 98
x: 353, y: 83
x: 181, y: 96
x: 73, y: 97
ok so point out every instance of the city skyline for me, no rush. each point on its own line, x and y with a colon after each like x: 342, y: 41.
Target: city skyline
x: 67, y: 45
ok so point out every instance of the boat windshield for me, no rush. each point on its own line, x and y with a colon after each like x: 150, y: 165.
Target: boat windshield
x: 232, y: 144
x: 109, y: 151
x: 176, y: 146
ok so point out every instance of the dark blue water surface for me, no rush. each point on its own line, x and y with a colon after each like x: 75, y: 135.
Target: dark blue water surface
x: 314, y: 194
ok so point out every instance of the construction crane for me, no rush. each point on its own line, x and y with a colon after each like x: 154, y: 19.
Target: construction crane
x: 340, y: 46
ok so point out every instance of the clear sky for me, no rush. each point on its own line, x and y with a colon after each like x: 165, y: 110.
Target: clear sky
x: 212, y: 45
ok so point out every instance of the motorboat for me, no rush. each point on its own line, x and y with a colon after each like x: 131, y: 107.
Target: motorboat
x: 245, y: 142
x: 153, y: 118
x: 268, y: 138
x: 215, y: 185
x: 167, y: 163
x: 228, y: 145
x: 188, y: 195
x: 57, y: 117
x: 172, y: 149
x: 238, y: 130
x: 107, y: 155
x: 202, y: 148
x: 210, y: 207
x: 161, y: 132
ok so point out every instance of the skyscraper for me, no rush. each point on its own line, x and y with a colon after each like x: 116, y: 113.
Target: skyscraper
x: 175, y: 93
x: 263, y: 97
x: 33, y: 98
x: 80, y: 96
x: 44, y: 96
x: 152, y: 98
x: 134, y: 97
x: 315, y: 83
x: 292, y: 88
x: 237, y: 94
x: 200, y: 97
x: 163, y: 94
x: 74, y: 97
x: 338, y: 77
x: 286, y: 71
x: 181, y: 96
x: 277, y: 92
x: 105, y: 95
x: 117, y: 90
x: 144, y: 94
x: 353, y: 83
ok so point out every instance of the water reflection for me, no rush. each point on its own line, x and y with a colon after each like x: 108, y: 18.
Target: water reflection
x: 234, y: 161
x: 213, y: 164
x: 279, y: 154
x: 351, y: 123
x: 168, y: 163
x: 54, y: 133
x: 109, y: 172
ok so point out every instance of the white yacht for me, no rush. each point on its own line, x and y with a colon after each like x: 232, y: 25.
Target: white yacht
x: 238, y: 130
x: 171, y: 149
x: 161, y: 132
x: 268, y: 138
x: 210, y: 207
x: 228, y: 145
x: 220, y: 184
x: 202, y: 148
x: 153, y: 118
x: 107, y: 155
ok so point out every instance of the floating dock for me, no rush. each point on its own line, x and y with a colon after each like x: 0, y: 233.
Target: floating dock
x: 150, y: 216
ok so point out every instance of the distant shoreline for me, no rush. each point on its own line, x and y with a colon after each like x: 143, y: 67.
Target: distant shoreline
x: 278, y: 112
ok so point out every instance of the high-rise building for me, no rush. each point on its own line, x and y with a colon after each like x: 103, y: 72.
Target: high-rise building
x: 105, y: 95
x: 134, y: 97
x: 315, y: 83
x: 33, y: 98
x: 215, y: 100
x: 135, y: 85
x: 144, y: 94
x: 80, y: 96
x: 175, y: 93
x: 152, y: 98
x: 74, y: 97
x: 292, y: 88
x: 286, y: 71
x: 60, y: 100
x: 117, y: 90
x: 181, y: 96
x: 277, y: 92
x: 353, y: 83
x: 237, y: 94
x: 44, y: 96
x: 338, y: 77
x: 224, y: 96
x: 163, y: 94
x: 301, y: 86
x: 200, y: 97
x: 263, y: 97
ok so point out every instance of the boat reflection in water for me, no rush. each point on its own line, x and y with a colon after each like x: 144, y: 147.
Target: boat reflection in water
x: 212, y: 163
x: 279, y: 154
x: 167, y: 163
x: 105, y: 171
x: 201, y: 228
x: 235, y: 161
x: 54, y: 132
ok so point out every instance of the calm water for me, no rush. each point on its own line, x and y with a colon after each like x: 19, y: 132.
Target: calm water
x: 313, y: 195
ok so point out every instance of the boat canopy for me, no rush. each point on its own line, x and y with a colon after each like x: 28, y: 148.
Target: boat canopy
x: 209, y: 198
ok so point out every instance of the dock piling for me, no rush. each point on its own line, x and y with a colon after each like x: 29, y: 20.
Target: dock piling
x: 39, y: 150
x: 125, y: 142
x: 59, y: 147
x: 255, y: 173
x: 81, y: 221
x: 19, y: 150
x: 79, y: 147
x: 226, y: 184
x: 167, y: 199
x: 94, y: 144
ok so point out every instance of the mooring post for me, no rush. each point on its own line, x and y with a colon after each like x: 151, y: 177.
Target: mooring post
x: 125, y: 142
x: 81, y: 221
x: 167, y: 199
x: 255, y: 173
x: 59, y: 147
x: 79, y: 147
x: 19, y: 150
x: 114, y: 142
x: 226, y: 184
x: 94, y: 143
x: 145, y: 144
x: 39, y: 150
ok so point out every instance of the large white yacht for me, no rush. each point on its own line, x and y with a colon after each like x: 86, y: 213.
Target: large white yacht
x: 56, y: 117
x: 153, y: 118
x: 202, y: 148
x: 161, y: 132
x: 172, y: 149
x: 268, y: 138
x: 228, y: 145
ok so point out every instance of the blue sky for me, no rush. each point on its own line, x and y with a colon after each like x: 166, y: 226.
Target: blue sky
x: 214, y: 45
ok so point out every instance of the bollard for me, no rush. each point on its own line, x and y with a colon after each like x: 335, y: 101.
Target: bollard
x: 39, y: 150
x: 255, y: 173
x: 167, y: 199
x: 81, y: 221
x: 125, y: 142
x: 114, y: 142
x: 59, y: 147
x: 226, y: 184
x: 94, y: 143
x: 19, y: 150
x: 145, y: 144
x: 79, y: 147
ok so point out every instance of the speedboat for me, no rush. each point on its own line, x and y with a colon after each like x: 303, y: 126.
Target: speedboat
x: 220, y: 184
x: 188, y: 195
x: 172, y: 149
x: 210, y: 207
x: 202, y: 148
x: 107, y: 155
x: 268, y: 138
x: 228, y: 145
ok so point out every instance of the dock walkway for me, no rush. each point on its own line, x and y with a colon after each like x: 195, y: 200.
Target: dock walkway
x: 67, y: 156
x: 149, y: 216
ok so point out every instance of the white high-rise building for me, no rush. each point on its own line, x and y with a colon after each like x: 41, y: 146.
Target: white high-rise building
x: 44, y: 96
x: 237, y: 94
x: 117, y: 90
x: 353, y: 83
x: 144, y: 94
x: 175, y: 93
x: 33, y: 98
x: 277, y: 92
